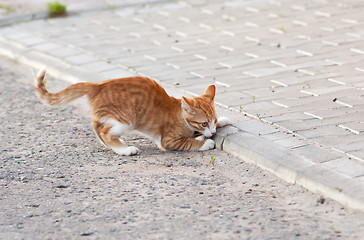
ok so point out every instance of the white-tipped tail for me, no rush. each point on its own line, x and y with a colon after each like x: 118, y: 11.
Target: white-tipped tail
x: 40, y: 76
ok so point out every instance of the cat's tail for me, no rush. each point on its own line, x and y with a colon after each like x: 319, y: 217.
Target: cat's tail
x: 63, y: 97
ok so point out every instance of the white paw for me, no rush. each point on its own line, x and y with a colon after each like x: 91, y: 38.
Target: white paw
x: 128, y: 151
x: 223, y: 121
x: 209, y: 144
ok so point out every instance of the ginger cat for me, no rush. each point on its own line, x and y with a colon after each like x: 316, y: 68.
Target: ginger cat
x: 139, y: 103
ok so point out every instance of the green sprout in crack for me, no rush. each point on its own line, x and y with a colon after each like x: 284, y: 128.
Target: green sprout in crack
x: 8, y: 9
x: 254, y: 99
x: 56, y: 9
x: 212, y: 161
x: 258, y: 115
x: 111, y: 6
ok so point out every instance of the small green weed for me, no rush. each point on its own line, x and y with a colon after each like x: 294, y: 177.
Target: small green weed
x: 111, y: 6
x: 212, y: 161
x: 56, y: 9
x: 7, y: 8
x: 254, y: 99
x: 258, y: 115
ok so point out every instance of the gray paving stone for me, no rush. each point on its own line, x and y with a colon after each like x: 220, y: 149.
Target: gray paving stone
x: 316, y: 154
x: 80, y: 59
x: 16, y: 34
x: 63, y: 52
x: 256, y: 127
x: 340, y: 142
x: 97, y: 66
x: 276, y: 136
x: 309, y: 124
x: 290, y: 116
x: 349, y: 167
x: 330, y: 130
x: 33, y: 40
x: 356, y: 127
x: 291, y: 142
x: 46, y: 46
x: 357, y: 155
x: 116, y: 73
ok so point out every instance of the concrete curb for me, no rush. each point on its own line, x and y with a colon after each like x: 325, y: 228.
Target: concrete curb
x: 263, y: 153
x: 290, y: 167
x: 44, y: 14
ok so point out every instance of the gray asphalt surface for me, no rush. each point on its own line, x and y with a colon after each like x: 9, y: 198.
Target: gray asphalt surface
x: 58, y: 182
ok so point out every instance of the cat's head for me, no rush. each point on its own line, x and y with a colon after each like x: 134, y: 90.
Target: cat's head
x: 199, y: 112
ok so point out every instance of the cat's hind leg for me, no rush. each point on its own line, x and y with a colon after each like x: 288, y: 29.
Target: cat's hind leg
x: 109, y: 131
x: 97, y: 126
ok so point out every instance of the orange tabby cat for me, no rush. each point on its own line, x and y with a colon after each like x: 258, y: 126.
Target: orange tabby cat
x: 120, y: 105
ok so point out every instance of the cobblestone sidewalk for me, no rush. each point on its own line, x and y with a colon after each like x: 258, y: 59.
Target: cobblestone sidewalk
x: 294, y: 68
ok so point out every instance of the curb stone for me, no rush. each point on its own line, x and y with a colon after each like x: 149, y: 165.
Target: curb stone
x: 291, y: 167
x: 263, y: 153
x: 44, y: 14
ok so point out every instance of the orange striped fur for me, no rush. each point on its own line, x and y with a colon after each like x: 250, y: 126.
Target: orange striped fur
x: 139, y: 103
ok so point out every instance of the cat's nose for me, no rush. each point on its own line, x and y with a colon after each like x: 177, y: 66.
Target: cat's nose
x: 213, y: 132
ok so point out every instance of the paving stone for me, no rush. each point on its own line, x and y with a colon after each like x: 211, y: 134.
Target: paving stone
x: 256, y: 127
x: 46, y: 46
x: 316, y: 154
x: 347, y: 166
x: 16, y: 34
x: 98, y: 66
x: 298, y: 125
x: 291, y: 142
x: 341, y: 142
x: 80, y: 59
x: 357, y: 155
x: 64, y: 52
x: 356, y: 127
x: 276, y: 136
x: 289, y: 116
x: 116, y: 73
x: 330, y: 130
x: 30, y: 41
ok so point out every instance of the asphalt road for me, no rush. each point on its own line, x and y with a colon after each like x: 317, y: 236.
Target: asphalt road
x: 58, y: 182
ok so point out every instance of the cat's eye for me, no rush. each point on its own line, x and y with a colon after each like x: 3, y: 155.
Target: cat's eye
x: 204, y: 124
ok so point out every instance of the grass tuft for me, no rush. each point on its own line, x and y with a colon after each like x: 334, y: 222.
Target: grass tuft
x: 212, y: 161
x: 56, y: 9
x: 7, y: 8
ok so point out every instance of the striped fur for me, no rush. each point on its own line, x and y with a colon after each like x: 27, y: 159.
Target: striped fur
x: 139, y: 103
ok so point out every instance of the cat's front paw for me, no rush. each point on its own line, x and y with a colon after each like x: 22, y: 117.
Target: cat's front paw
x: 128, y: 151
x: 223, y: 121
x: 209, y: 144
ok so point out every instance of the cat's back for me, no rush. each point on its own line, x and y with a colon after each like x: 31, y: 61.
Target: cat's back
x: 140, y: 91
x: 133, y: 85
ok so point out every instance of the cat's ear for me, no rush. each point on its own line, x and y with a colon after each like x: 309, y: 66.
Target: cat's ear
x: 209, y: 94
x: 187, y: 105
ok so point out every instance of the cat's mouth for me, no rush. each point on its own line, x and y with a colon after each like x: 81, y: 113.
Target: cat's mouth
x: 197, y: 134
